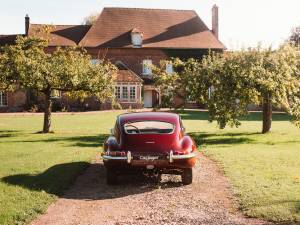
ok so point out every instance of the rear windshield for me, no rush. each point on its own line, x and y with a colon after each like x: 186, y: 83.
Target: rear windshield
x: 148, y: 127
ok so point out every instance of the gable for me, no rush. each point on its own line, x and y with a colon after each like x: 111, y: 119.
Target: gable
x: 125, y: 74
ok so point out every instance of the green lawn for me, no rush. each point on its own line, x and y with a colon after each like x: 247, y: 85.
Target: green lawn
x: 35, y: 168
x: 264, y: 170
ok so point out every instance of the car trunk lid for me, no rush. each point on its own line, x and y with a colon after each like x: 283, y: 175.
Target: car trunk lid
x: 149, y: 143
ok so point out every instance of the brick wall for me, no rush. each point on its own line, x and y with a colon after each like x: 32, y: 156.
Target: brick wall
x: 16, y: 102
x: 132, y: 57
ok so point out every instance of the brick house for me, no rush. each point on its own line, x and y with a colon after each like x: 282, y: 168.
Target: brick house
x: 132, y: 39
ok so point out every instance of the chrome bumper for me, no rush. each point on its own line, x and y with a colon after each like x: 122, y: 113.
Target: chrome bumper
x: 128, y: 157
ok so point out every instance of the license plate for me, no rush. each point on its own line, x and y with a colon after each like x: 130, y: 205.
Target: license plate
x: 148, y: 158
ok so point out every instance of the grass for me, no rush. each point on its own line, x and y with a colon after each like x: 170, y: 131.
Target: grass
x: 264, y: 170
x: 36, y: 168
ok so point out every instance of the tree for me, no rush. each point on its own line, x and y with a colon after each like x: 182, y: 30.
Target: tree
x: 294, y: 39
x: 228, y: 83
x: 167, y: 83
x: 91, y: 19
x: 26, y: 65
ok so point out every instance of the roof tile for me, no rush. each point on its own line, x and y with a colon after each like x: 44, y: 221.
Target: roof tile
x: 162, y: 28
x: 61, y: 35
x: 127, y: 75
x: 8, y: 39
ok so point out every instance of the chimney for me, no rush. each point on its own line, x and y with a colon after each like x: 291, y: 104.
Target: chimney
x: 27, y: 23
x: 215, y: 20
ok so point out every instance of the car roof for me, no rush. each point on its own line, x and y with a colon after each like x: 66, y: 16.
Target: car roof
x: 150, y: 116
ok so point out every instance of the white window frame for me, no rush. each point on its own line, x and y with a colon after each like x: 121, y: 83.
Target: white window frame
x: 118, y: 93
x: 133, y: 89
x: 57, y: 94
x: 147, y: 70
x: 137, y: 39
x: 124, y: 93
x: 169, y: 68
x: 95, y: 61
x: 210, y: 92
x: 2, y: 96
x: 129, y: 87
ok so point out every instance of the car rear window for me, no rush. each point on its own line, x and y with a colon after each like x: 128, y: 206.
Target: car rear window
x: 149, y: 127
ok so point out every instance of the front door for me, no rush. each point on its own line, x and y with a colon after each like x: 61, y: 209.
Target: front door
x: 148, y: 99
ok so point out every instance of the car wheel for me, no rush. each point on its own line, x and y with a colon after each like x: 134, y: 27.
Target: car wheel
x: 111, y: 176
x: 187, y: 176
x: 158, y: 178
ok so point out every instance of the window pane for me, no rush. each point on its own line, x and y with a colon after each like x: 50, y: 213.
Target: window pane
x: 3, y: 99
x: 118, y: 92
x: 132, y: 93
x: 124, y: 92
x: 95, y: 61
x: 147, y: 67
x: 55, y: 94
x: 153, y: 127
x: 169, y: 68
x: 137, y: 39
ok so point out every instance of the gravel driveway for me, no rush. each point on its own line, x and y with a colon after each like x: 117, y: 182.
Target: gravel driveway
x: 136, y: 201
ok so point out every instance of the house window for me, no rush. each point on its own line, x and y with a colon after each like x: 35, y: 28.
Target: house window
x: 124, y: 92
x: 3, y: 98
x: 56, y: 94
x: 132, y: 93
x: 210, y: 91
x: 169, y: 68
x: 118, y: 92
x: 137, y: 39
x: 147, y: 64
x: 95, y: 61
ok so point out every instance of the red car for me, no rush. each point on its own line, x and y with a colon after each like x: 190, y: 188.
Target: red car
x: 150, y: 142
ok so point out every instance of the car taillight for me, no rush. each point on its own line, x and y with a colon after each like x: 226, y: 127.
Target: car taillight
x: 187, y: 151
x: 194, y: 148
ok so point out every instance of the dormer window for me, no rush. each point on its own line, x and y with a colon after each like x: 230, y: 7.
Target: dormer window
x: 136, y: 38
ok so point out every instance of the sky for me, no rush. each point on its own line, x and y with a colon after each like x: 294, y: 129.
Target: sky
x: 242, y: 23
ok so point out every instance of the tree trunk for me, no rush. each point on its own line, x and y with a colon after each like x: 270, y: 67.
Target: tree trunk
x: 267, y: 114
x: 47, y: 112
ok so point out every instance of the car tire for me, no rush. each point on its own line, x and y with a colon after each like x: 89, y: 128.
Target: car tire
x: 111, y: 176
x: 158, y: 178
x: 187, y: 176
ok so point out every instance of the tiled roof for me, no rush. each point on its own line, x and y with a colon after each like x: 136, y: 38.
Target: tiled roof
x: 126, y: 75
x: 8, y: 39
x: 61, y: 35
x: 162, y: 28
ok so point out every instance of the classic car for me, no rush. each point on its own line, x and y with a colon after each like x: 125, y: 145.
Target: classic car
x: 153, y: 143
